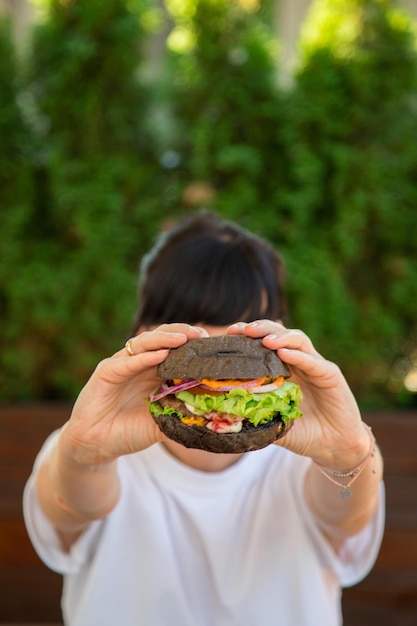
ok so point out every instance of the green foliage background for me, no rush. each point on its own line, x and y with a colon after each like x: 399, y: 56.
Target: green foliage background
x: 100, y: 146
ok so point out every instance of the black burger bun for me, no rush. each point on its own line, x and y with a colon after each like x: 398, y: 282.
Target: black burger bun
x: 224, y: 357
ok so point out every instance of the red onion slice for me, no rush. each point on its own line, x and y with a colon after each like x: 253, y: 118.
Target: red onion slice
x: 165, y: 390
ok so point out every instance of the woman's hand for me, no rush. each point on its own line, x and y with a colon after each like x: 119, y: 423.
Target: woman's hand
x: 110, y: 417
x: 331, y: 431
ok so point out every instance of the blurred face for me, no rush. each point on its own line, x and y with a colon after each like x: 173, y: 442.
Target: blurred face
x: 214, y: 331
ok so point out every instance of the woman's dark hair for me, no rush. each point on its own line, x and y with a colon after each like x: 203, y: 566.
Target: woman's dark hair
x: 210, y: 271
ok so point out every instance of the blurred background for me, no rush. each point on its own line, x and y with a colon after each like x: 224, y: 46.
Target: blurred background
x: 296, y: 118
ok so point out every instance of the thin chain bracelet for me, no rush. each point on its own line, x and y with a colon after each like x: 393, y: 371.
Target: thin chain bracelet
x: 353, y: 474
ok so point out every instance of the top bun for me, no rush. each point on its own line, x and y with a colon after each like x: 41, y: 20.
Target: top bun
x: 222, y: 357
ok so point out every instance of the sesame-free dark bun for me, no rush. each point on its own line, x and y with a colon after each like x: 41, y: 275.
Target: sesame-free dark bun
x: 226, y: 356
x: 200, y: 437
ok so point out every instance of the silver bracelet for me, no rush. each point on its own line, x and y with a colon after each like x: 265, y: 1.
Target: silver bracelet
x: 353, y: 474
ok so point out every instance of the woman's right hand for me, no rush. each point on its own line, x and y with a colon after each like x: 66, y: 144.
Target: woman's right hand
x: 111, y: 417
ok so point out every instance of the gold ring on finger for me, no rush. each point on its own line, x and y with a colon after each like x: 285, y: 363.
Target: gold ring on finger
x: 128, y: 346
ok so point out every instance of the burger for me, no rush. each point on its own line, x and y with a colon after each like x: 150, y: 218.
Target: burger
x: 225, y: 394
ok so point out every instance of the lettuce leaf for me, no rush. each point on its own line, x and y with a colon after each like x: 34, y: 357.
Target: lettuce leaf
x: 258, y: 408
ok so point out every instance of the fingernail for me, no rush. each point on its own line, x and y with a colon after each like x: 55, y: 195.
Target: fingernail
x: 238, y: 325
x: 200, y: 331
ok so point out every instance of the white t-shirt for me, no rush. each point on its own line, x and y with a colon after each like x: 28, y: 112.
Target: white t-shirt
x: 190, y: 548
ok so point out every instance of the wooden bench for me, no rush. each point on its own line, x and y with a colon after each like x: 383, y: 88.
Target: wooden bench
x: 30, y: 593
x: 388, y: 596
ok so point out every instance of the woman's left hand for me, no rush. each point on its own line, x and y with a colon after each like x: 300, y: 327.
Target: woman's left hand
x: 331, y: 431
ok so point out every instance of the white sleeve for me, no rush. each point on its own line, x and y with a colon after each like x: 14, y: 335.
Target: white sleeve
x: 358, y: 554
x: 42, y: 533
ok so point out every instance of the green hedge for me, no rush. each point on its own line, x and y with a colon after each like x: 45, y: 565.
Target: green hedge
x: 222, y: 70
x: 98, y: 150
x: 353, y: 171
x: 96, y: 181
x: 16, y: 195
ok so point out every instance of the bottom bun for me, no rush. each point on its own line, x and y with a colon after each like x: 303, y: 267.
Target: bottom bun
x: 200, y: 437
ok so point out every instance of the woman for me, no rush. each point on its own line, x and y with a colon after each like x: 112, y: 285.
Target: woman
x: 146, y: 531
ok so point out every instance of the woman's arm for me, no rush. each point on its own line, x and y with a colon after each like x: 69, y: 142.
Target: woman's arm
x: 343, y: 496
x: 71, y: 494
x: 78, y: 481
x: 331, y: 433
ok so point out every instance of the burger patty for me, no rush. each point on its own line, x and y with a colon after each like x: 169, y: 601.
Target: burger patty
x: 176, y: 404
